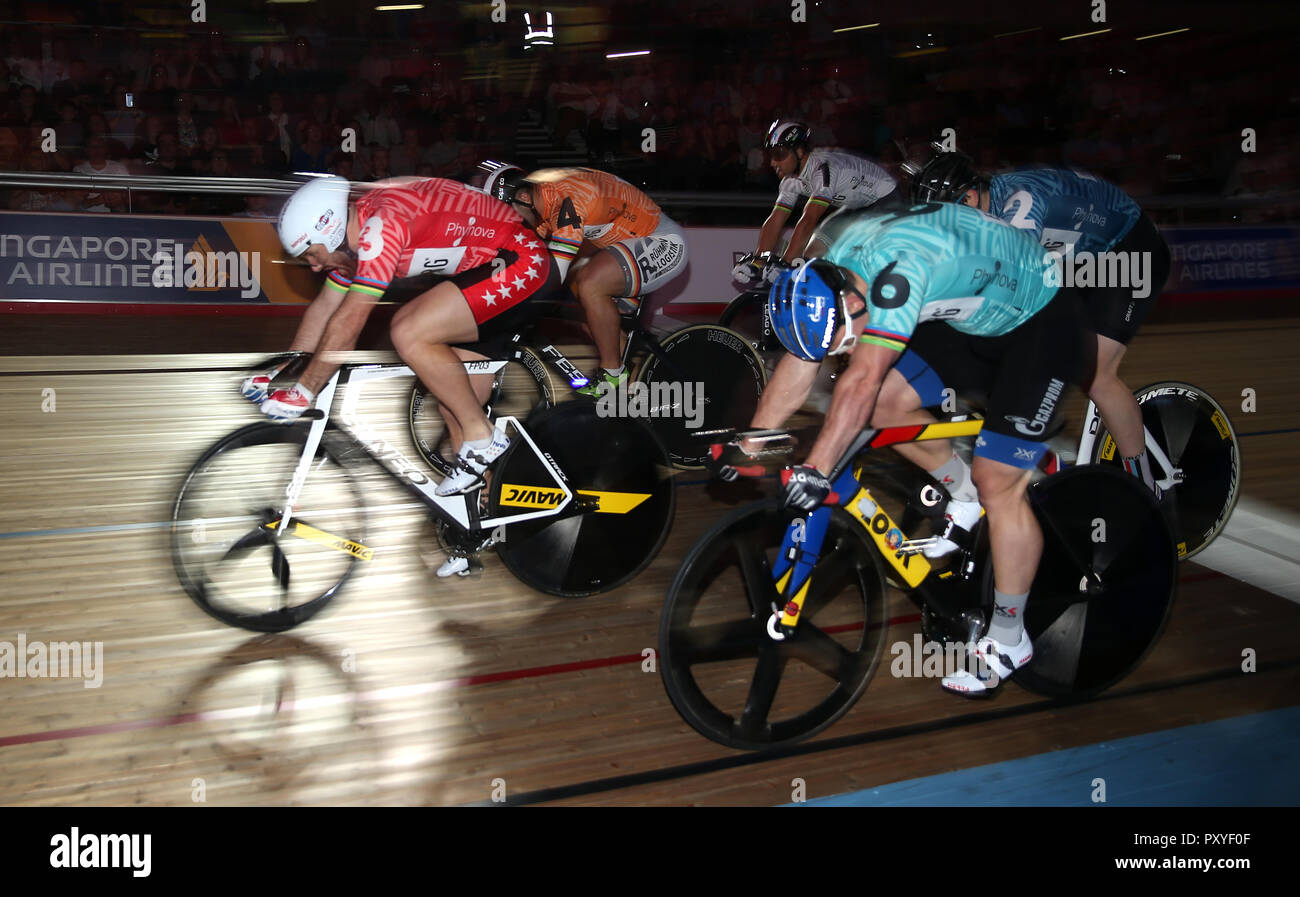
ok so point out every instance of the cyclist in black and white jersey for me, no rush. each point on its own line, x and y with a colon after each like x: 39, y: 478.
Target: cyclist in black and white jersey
x: 829, y: 178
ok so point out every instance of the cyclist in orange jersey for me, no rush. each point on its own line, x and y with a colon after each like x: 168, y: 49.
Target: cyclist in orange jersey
x: 641, y: 248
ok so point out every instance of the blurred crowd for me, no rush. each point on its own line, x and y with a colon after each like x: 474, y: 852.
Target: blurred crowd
x: 433, y: 102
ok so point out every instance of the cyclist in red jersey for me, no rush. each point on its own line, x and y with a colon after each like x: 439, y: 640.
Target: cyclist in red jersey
x: 404, y: 228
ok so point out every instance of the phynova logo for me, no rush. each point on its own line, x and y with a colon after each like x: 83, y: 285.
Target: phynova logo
x: 669, y: 398
x: 1126, y: 270
x: 78, y: 851
x: 55, y: 660
x: 208, y: 270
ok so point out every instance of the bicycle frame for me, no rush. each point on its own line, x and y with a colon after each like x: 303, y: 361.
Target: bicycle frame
x: 459, y: 510
x: 801, y: 546
x: 1092, y: 423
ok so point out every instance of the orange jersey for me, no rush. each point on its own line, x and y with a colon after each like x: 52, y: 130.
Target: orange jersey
x: 577, y: 204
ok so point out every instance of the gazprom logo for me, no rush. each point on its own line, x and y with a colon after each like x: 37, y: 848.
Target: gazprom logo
x: 323, y: 221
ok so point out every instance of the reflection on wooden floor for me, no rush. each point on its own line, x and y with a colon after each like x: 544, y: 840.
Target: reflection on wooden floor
x: 411, y: 690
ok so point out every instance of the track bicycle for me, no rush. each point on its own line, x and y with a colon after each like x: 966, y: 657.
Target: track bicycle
x: 270, y: 522
x: 776, y: 621
x: 718, y: 362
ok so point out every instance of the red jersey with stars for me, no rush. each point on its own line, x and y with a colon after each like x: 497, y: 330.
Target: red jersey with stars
x: 415, y: 226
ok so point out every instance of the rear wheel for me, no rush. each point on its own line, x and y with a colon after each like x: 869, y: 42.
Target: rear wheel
x: 1105, y: 583
x: 518, y: 388
x: 708, y: 371
x: 1195, y: 434
x: 616, y: 461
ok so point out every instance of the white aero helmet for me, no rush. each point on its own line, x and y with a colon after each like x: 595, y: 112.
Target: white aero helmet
x: 317, y: 212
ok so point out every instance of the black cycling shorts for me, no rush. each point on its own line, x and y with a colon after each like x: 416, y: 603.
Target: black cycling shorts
x: 1114, y: 311
x: 1021, y: 377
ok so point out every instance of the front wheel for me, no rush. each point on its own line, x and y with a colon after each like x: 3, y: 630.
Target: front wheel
x: 1196, y: 436
x: 708, y: 378
x: 723, y: 672
x: 228, y: 556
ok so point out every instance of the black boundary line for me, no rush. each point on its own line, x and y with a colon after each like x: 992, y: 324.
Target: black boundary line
x: 737, y: 761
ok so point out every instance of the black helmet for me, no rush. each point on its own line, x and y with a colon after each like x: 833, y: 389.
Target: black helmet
x: 503, y: 180
x: 945, y: 178
x: 787, y: 133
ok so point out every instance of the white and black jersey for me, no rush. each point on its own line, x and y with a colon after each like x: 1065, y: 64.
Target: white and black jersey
x: 836, y: 178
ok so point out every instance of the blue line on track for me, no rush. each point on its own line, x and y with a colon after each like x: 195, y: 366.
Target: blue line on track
x: 1243, y: 761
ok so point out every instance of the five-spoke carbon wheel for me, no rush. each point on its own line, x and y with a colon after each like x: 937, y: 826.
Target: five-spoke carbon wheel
x: 726, y: 675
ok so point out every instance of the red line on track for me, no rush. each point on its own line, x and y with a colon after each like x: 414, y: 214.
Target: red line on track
x: 179, y: 719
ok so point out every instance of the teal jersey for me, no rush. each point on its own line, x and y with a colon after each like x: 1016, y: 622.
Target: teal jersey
x: 941, y: 262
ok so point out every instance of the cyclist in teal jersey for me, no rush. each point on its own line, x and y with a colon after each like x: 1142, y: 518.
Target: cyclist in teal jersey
x: 1001, y: 328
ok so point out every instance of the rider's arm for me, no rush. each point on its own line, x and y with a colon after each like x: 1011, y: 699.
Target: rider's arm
x: 772, y: 227
x: 784, y: 395
x: 852, y: 403
x: 340, y: 336
x: 803, y: 231
x: 318, y: 314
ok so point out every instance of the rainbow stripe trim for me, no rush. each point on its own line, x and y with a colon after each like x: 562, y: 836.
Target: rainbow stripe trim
x: 337, y: 281
x: 817, y: 199
x: 895, y: 341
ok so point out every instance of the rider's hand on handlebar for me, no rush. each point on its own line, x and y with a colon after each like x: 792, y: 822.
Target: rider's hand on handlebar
x: 806, y: 487
x: 749, y: 271
x: 729, y: 461
x: 287, y: 405
x: 773, y: 269
x: 257, y: 385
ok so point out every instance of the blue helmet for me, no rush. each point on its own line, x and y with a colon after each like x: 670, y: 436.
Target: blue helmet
x: 806, y: 306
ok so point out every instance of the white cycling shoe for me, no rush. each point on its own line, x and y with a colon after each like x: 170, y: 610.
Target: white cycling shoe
x: 994, y: 661
x: 454, y: 566
x: 964, y: 514
x: 471, y: 464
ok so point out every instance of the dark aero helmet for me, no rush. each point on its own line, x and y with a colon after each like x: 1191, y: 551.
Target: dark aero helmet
x: 786, y: 133
x: 945, y: 178
x: 503, y: 180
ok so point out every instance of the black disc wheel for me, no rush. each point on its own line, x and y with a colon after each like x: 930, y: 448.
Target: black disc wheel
x: 1105, y: 583
x: 709, y: 378
x: 520, y: 387
x: 1195, y: 434
x: 727, y: 677
x: 225, y: 546
x: 611, y: 462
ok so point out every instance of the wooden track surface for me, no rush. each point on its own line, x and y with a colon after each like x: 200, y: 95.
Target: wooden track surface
x: 411, y: 690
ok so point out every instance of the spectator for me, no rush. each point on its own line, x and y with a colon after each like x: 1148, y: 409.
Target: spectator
x: 442, y: 155
x: 313, y: 154
x: 279, y: 120
x: 69, y: 133
x: 186, y: 128
x: 381, y: 128
x: 379, y: 167
x: 230, y: 128
x: 123, y: 120
x: 97, y: 163
x: 406, y: 156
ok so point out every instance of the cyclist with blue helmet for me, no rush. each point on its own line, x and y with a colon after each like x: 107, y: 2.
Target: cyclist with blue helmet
x: 1002, y: 328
